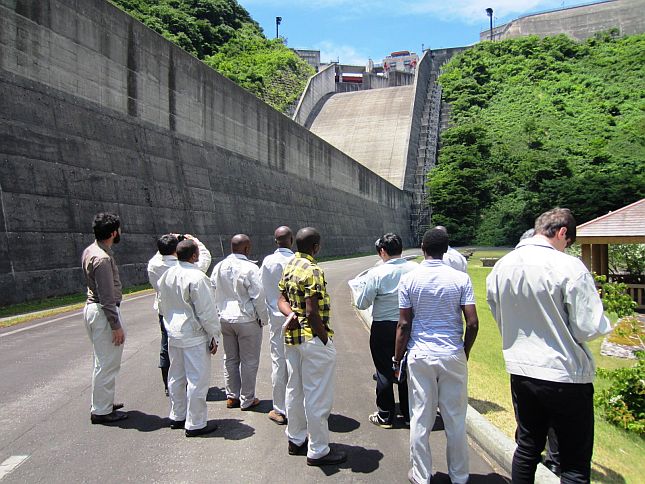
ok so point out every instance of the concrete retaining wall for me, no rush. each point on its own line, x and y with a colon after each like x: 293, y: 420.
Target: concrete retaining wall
x: 319, y: 85
x: 579, y: 22
x: 98, y: 112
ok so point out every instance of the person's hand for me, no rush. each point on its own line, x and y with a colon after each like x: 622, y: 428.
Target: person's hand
x: 213, y: 347
x: 118, y: 337
x: 291, y: 322
x: 324, y: 337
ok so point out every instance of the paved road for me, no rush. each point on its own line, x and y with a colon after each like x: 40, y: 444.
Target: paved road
x: 44, y: 411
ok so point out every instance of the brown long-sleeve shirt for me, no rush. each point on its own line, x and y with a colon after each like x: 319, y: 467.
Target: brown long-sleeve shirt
x: 103, y: 283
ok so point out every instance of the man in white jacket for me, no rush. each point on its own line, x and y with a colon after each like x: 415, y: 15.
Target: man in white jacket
x: 271, y: 273
x: 165, y: 258
x: 190, y: 316
x: 547, y: 307
x: 243, y: 312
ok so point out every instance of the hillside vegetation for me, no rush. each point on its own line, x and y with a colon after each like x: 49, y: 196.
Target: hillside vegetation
x: 224, y: 36
x: 538, y: 123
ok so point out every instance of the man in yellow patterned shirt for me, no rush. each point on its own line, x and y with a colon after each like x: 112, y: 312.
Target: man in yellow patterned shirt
x: 310, y: 353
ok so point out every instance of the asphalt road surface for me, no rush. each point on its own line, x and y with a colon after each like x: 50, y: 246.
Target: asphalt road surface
x: 46, y: 435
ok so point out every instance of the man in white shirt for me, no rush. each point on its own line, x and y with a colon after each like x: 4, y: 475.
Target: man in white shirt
x: 432, y: 300
x: 271, y: 273
x: 453, y: 257
x: 547, y: 307
x: 243, y: 312
x: 379, y: 288
x: 165, y: 258
x: 190, y: 316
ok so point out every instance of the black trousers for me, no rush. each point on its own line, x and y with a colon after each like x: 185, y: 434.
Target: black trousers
x: 164, y: 358
x: 568, y: 408
x: 382, y: 339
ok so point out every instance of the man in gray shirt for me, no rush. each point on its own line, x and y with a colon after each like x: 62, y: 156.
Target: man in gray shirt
x: 102, y: 316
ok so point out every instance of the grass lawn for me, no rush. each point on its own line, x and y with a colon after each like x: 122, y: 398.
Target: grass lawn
x: 619, y: 457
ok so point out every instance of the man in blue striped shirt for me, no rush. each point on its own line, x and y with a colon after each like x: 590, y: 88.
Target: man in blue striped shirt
x: 432, y: 300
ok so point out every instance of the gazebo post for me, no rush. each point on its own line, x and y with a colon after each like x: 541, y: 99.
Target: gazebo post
x: 604, y: 260
x: 596, y: 259
x: 586, y: 255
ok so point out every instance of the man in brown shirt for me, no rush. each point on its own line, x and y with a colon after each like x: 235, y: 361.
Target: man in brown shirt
x: 103, y: 318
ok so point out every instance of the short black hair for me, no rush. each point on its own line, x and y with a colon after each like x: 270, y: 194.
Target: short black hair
x: 186, y: 249
x: 550, y: 222
x: 167, y: 244
x: 104, y: 224
x: 306, y: 238
x: 435, y: 243
x: 391, y: 242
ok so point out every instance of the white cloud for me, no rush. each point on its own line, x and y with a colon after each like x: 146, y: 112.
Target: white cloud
x: 345, y: 54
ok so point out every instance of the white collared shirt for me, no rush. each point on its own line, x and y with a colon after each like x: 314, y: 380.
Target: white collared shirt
x: 159, y: 264
x: 378, y: 288
x: 188, y: 306
x: 454, y: 259
x: 271, y: 272
x: 239, y: 295
x: 546, y: 306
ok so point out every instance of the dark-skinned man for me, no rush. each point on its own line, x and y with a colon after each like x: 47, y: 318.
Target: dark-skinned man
x: 310, y: 353
x: 432, y: 300
x: 243, y: 312
x: 271, y: 271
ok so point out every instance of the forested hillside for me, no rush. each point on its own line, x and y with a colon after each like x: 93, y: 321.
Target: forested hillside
x: 538, y: 123
x: 223, y: 35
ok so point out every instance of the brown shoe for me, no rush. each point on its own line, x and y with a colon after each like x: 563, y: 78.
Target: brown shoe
x: 254, y: 403
x: 277, y: 417
x: 295, y: 449
x: 232, y: 403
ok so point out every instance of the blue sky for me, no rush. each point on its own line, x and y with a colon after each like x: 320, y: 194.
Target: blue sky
x: 355, y: 30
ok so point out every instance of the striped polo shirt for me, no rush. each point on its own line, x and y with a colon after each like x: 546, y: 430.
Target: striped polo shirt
x: 435, y: 292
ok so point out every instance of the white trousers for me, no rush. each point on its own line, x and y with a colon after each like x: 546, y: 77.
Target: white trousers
x: 107, y: 358
x: 189, y: 376
x: 310, y: 394
x: 279, y: 374
x: 441, y: 381
x: 242, y: 345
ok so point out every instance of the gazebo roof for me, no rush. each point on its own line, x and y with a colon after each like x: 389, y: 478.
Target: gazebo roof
x: 623, y: 226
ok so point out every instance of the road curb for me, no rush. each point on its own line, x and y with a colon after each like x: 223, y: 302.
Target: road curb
x: 497, y: 445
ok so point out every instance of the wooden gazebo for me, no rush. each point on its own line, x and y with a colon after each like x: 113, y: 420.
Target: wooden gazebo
x: 623, y: 226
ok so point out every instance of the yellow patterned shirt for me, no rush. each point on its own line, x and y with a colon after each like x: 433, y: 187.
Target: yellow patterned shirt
x: 303, y: 278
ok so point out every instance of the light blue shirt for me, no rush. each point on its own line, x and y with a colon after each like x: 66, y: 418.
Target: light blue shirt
x: 378, y: 288
x: 271, y: 272
x: 436, y: 292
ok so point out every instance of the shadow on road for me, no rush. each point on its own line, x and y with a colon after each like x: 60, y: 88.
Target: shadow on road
x: 215, y: 394
x: 359, y: 460
x: 143, y: 422
x: 492, y: 478
x: 484, y: 406
x: 341, y: 424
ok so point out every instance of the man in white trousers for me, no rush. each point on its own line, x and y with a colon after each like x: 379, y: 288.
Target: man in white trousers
x: 432, y: 299
x: 190, y: 316
x: 102, y: 317
x: 271, y: 272
x: 310, y: 353
x: 243, y: 312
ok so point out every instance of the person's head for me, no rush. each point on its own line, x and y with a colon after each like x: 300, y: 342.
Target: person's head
x: 167, y: 244
x: 435, y: 243
x: 389, y: 245
x: 241, y: 244
x: 107, y: 227
x: 557, y: 225
x: 528, y: 234
x: 188, y: 251
x: 283, y: 237
x: 308, y: 241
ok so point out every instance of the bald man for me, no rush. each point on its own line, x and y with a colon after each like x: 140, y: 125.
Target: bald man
x: 452, y: 257
x: 271, y: 271
x: 242, y: 310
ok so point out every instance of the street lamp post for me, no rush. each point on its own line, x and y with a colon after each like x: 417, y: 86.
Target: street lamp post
x: 489, y: 12
x: 277, y: 26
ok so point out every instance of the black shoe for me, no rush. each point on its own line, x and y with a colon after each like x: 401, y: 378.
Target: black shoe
x: 109, y: 418
x: 295, y: 449
x: 334, y: 457
x: 167, y: 392
x: 117, y: 406
x: 210, y: 427
x: 177, y: 424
